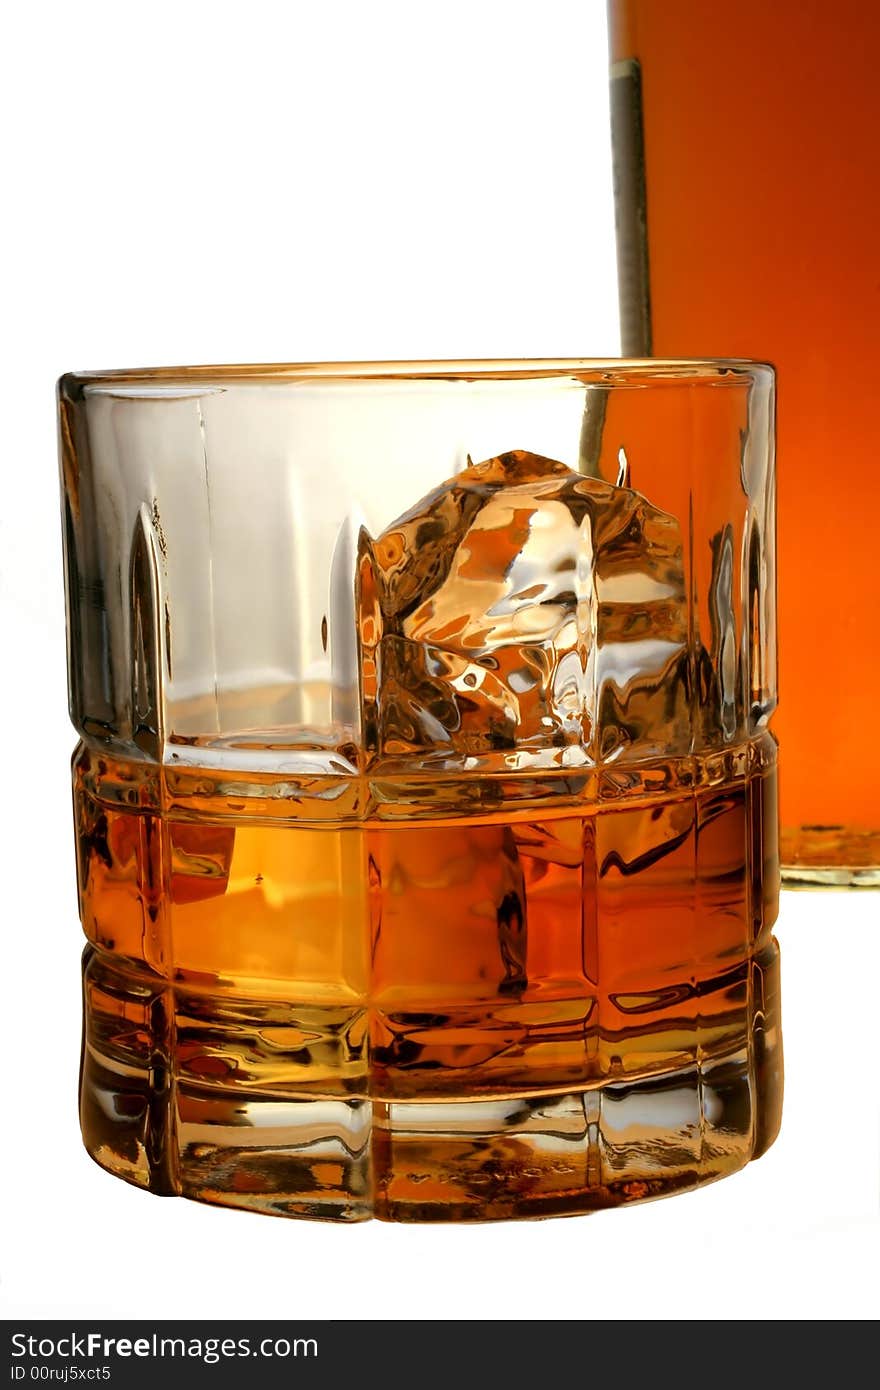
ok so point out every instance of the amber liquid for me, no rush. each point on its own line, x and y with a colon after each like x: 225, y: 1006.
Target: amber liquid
x: 453, y: 997
x: 763, y: 220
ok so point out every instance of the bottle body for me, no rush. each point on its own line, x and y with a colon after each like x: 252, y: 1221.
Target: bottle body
x: 748, y: 223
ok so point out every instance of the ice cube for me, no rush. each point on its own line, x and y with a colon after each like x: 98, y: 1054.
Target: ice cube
x: 523, y: 614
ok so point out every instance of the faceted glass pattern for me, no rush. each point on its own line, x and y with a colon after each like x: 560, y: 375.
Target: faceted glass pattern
x: 427, y: 849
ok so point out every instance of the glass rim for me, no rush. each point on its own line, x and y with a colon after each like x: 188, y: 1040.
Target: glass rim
x: 587, y: 371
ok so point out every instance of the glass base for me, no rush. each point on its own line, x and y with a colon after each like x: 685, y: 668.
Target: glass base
x: 338, y: 1157
x: 830, y: 856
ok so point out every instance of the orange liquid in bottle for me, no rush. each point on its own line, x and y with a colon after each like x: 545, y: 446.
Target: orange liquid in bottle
x: 763, y: 225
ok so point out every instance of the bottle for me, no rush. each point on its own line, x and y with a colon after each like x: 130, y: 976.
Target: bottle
x: 748, y: 221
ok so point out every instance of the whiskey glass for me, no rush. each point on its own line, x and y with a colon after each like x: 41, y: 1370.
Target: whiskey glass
x: 425, y: 798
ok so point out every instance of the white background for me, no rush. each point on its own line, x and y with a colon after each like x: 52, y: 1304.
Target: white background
x: 195, y: 182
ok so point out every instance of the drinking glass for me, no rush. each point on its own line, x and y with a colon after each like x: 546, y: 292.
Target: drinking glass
x: 425, y: 798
